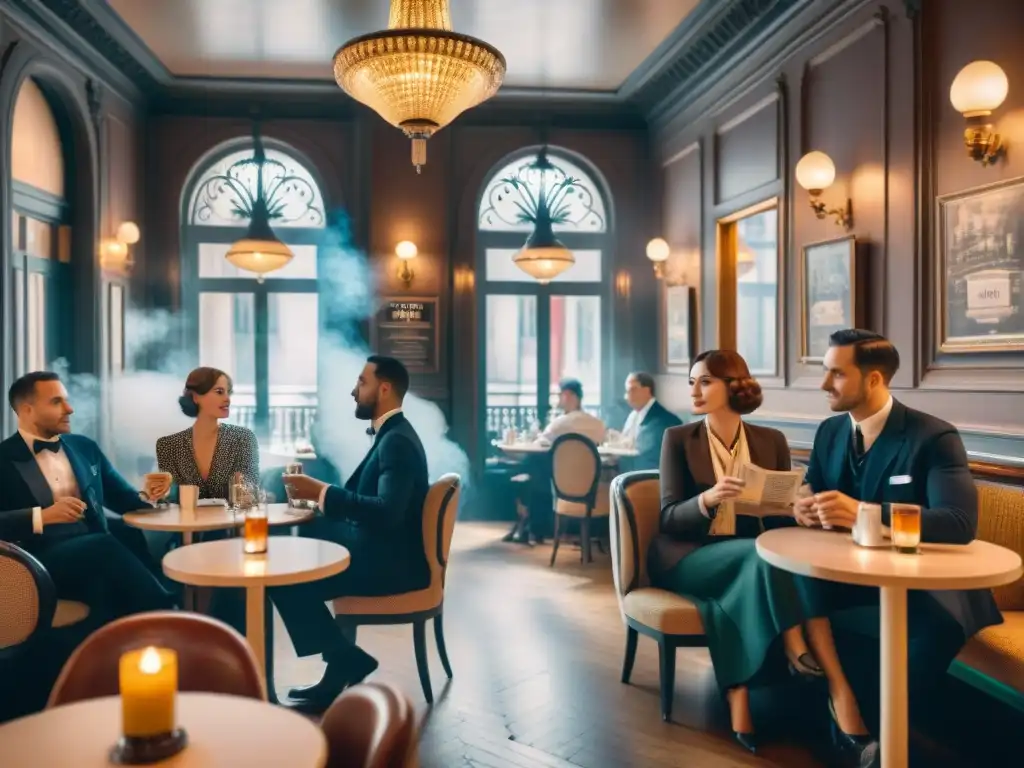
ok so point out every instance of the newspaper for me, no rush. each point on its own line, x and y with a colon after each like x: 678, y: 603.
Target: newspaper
x: 774, y: 491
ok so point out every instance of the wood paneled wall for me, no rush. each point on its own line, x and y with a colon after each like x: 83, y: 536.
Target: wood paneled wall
x: 867, y: 82
x: 101, y: 124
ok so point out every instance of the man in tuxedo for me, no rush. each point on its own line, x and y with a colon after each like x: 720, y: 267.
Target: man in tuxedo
x: 54, y: 487
x: 378, y: 516
x: 646, y: 424
x: 880, y: 451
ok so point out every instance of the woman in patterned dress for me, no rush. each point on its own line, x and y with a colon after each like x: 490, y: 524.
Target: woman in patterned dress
x: 208, y: 454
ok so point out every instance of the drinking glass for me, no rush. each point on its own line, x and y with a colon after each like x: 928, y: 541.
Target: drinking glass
x: 257, y: 525
x: 905, y: 527
x: 294, y: 468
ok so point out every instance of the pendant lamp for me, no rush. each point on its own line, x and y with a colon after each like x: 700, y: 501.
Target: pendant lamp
x: 543, y: 257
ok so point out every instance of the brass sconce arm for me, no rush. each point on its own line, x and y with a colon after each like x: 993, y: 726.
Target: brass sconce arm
x: 983, y: 144
x: 405, y: 273
x: 843, y: 216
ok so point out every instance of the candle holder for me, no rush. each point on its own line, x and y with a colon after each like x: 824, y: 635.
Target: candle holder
x: 146, y: 750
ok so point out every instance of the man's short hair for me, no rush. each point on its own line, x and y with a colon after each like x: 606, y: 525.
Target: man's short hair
x: 25, y: 387
x: 871, y: 351
x: 644, y: 379
x: 391, y: 370
x: 571, y: 385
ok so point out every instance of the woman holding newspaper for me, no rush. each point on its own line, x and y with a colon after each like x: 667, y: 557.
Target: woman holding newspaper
x: 723, y: 481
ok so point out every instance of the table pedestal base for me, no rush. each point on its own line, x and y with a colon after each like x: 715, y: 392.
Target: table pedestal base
x: 894, y: 744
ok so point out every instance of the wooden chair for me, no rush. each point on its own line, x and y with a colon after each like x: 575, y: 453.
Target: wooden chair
x: 672, y: 621
x: 371, y: 725
x: 575, y: 477
x: 212, y: 657
x: 416, y: 608
x: 28, y: 602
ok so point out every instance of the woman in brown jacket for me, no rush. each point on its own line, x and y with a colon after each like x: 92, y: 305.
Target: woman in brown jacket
x: 705, y: 550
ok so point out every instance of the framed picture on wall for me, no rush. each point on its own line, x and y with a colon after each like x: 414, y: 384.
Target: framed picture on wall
x: 406, y: 328
x: 677, y: 328
x: 828, y: 292
x: 981, y: 269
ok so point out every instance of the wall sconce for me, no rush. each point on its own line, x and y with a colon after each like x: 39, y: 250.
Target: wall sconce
x: 979, y: 88
x: 658, y: 252
x: 406, y: 251
x: 815, y: 172
x: 115, y: 252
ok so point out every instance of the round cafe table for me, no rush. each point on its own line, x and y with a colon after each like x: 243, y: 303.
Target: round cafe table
x: 288, y: 560
x: 173, y: 519
x: 832, y: 555
x: 222, y: 730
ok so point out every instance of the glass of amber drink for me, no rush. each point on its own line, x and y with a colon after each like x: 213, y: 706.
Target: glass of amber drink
x: 905, y: 527
x: 257, y: 527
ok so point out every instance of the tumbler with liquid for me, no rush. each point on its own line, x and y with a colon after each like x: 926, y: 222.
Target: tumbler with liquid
x: 905, y: 527
x: 257, y: 526
x: 295, y: 468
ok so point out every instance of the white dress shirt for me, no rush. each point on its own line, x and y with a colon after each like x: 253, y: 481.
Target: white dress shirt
x: 872, y: 426
x: 376, y: 424
x: 575, y: 423
x: 634, y: 420
x: 56, y: 468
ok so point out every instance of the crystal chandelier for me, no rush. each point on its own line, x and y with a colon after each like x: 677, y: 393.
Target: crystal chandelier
x: 418, y: 74
x: 543, y: 257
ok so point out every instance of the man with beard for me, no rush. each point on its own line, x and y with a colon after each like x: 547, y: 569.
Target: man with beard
x: 378, y: 516
x: 880, y: 451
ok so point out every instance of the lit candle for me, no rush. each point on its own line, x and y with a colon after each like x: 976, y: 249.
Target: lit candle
x: 149, y: 683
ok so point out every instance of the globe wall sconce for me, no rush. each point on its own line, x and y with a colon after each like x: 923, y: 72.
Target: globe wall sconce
x: 815, y: 172
x: 658, y: 252
x: 406, y: 251
x: 977, y: 90
x: 115, y: 252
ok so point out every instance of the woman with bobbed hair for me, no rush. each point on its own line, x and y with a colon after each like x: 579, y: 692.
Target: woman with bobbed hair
x: 705, y: 551
x: 208, y: 454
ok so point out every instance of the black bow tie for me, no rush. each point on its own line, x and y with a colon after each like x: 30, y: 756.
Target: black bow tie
x: 371, y: 431
x: 46, y: 445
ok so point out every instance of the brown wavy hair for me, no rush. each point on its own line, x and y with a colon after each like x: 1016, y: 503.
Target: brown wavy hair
x: 200, y: 381
x: 744, y: 391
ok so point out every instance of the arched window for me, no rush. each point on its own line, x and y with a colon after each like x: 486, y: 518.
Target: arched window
x: 536, y: 334
x: 265, y: 333
x: 41, y: 235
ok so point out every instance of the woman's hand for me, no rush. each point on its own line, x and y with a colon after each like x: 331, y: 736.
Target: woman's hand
x: 805, y: 512
x: 726, y: 488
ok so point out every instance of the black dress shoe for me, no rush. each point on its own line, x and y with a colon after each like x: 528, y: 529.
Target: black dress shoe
x: 747, y: 740
x: 851, y: 743
x: 337, y: 677
x: 871, y: 757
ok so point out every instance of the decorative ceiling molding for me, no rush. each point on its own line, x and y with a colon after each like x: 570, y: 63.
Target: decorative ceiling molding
x: 712, y: 34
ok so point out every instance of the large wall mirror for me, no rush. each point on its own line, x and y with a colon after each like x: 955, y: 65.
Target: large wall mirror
x: 748, y: 284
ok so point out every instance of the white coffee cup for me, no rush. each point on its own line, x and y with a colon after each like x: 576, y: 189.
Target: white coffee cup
x: 867, y: 530
x: 188, y: 497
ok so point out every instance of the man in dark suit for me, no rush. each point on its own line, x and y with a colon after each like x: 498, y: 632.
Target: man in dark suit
x: 646, y: 423
x: 54, y: 487
x: 880, y: 451
x: 378, y: 516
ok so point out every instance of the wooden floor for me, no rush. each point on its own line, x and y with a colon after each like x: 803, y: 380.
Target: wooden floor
x: 537, y: 653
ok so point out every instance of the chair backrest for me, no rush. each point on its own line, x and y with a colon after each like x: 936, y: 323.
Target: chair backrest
x: 1001, y: 521
x: 440, y: 509
x: 636, y: 510
x: 575, y: 469
x: 27, y: 597
x: 212, y: 657
x: 371, y: 725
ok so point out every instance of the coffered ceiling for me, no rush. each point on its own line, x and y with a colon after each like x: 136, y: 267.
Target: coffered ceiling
x: 557, y: 44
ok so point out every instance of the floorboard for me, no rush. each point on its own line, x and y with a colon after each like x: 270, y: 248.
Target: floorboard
x: 536, y: 653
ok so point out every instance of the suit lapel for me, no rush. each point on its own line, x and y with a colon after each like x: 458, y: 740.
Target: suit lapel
x: 839, y: 455
x: 762, y: 450
x: 84, y: 476
x: 391, y: 423
x: 698, y: 457
x: 883, y: 453
x: 23, y: 460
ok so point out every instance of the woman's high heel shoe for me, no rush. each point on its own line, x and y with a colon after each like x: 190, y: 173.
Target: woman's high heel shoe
x: 805, y: 665
x: 846, y: 741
